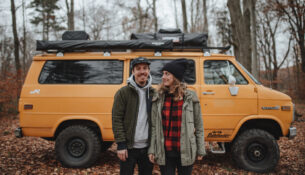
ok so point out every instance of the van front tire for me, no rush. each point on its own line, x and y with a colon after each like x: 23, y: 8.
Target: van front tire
x: 77, y: 147
x: 256, y: 150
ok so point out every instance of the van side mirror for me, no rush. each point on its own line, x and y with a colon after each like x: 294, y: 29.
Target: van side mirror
x: 232, y: 88
x: 232, y: 80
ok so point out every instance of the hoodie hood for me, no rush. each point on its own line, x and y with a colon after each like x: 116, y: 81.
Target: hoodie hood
x: 131, y: 81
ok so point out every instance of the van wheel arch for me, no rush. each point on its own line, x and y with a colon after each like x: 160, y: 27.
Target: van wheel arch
x: 268, y: 125
x: 88, y: 123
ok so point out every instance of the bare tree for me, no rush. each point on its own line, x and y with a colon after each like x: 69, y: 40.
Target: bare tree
x: 24, y: 39
x: 223, y: 25
x: 184, y: 15
x: 294, y: 13
x: 155, y: 15
x: 205, y: 16
x: 98, y: 21
x: 255, y: 62
x: 176, y: 15
x: 268, y: 30
x: 70, y: 14
x: 16, y: 45
x: 141, y: 18
x: 241, y: 30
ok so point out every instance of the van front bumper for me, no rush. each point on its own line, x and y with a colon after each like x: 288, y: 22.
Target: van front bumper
x: 292, y: 132
x: 18, y: 132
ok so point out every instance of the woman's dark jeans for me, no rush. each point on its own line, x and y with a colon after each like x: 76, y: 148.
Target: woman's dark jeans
x: 173, y: 162
x: 136, y: 156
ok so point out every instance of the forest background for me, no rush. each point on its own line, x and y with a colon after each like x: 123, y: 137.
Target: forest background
x: 267, y: 37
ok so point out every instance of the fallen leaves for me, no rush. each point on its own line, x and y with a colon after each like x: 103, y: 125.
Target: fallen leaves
x: 31, y: 155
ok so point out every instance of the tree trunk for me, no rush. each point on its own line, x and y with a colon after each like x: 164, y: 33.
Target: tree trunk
x: 255, y: 68
x: 302, y: 50
x: 176, y: 15
x: 155, y: 16
x: 140, y: 17
x: 84, y: 16
x: 274, y: 78
x: 70, y: 14
x: 205, y: 17
x: 16, y: 46
x: 184, y: 16
x: 241, y: 28
x: 24, y: 40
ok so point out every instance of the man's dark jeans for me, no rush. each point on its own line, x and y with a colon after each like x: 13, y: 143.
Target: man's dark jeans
x: 136, y: 156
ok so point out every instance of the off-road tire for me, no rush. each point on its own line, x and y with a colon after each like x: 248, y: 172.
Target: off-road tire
x: 77, y: 146
x: 256, y: 150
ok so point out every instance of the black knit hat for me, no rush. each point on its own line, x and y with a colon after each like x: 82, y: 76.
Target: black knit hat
x: 176, y: 67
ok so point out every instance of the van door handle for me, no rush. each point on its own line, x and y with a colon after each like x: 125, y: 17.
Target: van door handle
x: 208, y: 93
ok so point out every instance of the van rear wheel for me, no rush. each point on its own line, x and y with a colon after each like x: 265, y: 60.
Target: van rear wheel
x: 256, y: 150
x: 77, y: 147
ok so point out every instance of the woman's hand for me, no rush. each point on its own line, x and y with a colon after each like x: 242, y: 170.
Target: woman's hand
x: 199, y: 157
x: 151, y: 158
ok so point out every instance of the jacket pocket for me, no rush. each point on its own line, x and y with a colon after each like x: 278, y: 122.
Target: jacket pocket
x: 189, y: 115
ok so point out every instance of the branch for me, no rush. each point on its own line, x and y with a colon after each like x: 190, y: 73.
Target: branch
x: 284, y: 10
x: 287, y: 52
x: 67, y: 5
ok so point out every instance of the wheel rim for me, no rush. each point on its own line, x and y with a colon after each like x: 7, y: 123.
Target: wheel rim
x: 76, y: 147
x: 256, y: 152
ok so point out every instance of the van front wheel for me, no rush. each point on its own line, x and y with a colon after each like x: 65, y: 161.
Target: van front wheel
x: 256, y: 150
x: 77, y: 147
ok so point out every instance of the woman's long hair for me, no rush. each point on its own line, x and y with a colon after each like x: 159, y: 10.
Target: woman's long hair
x: 178, y: 89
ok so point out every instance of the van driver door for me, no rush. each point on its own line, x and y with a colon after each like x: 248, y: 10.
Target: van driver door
x: 222, y: 110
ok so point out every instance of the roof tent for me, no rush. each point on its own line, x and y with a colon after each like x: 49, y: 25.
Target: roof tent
x: 165, y: 39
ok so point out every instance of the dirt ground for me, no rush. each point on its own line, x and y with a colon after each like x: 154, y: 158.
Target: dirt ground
x: 31, y: 155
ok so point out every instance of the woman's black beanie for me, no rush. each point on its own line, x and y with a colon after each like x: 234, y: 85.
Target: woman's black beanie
x: 176, y: 67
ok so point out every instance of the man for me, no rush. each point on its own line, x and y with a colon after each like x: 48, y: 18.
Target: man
x: 131, y: 119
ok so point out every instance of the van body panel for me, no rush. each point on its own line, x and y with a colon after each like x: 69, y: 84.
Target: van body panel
x: 271, y: 102
x: 222, y: 113
x: 56, y: 103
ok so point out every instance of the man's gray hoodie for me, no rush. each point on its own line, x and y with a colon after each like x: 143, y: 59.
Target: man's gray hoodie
x: 142, y: 127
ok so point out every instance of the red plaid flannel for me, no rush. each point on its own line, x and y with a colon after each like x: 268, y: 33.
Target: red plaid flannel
x: 171, y: 121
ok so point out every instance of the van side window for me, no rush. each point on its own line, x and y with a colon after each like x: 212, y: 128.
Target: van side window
x: 157, y: 64
x: 218, y: 71
x: 82, y: 72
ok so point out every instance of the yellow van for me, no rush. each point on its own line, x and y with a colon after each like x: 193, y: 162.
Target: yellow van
x: 68, y: 95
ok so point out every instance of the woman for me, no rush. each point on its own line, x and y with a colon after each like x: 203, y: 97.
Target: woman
x: 177, y: 128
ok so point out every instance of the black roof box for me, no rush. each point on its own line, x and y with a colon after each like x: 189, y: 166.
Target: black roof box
x: 169, y: 31
x: 75, y: 35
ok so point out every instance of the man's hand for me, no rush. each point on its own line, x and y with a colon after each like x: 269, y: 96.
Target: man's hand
x: 199, y: 157
x: 122, y: 154
x: 151, y: 158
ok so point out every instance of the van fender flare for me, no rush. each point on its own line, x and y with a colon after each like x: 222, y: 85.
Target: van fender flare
x: 67, y: 118
x: 261, y: 117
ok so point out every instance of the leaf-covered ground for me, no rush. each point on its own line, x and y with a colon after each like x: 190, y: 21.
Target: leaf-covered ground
x: 31, y: 155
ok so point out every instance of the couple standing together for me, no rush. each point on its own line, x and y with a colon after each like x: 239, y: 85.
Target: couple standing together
x: 162, y: 126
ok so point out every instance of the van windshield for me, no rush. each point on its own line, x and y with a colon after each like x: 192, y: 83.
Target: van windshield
x: 250, y: 75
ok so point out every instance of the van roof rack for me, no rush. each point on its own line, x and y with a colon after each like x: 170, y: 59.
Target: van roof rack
x: 165, y: 39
